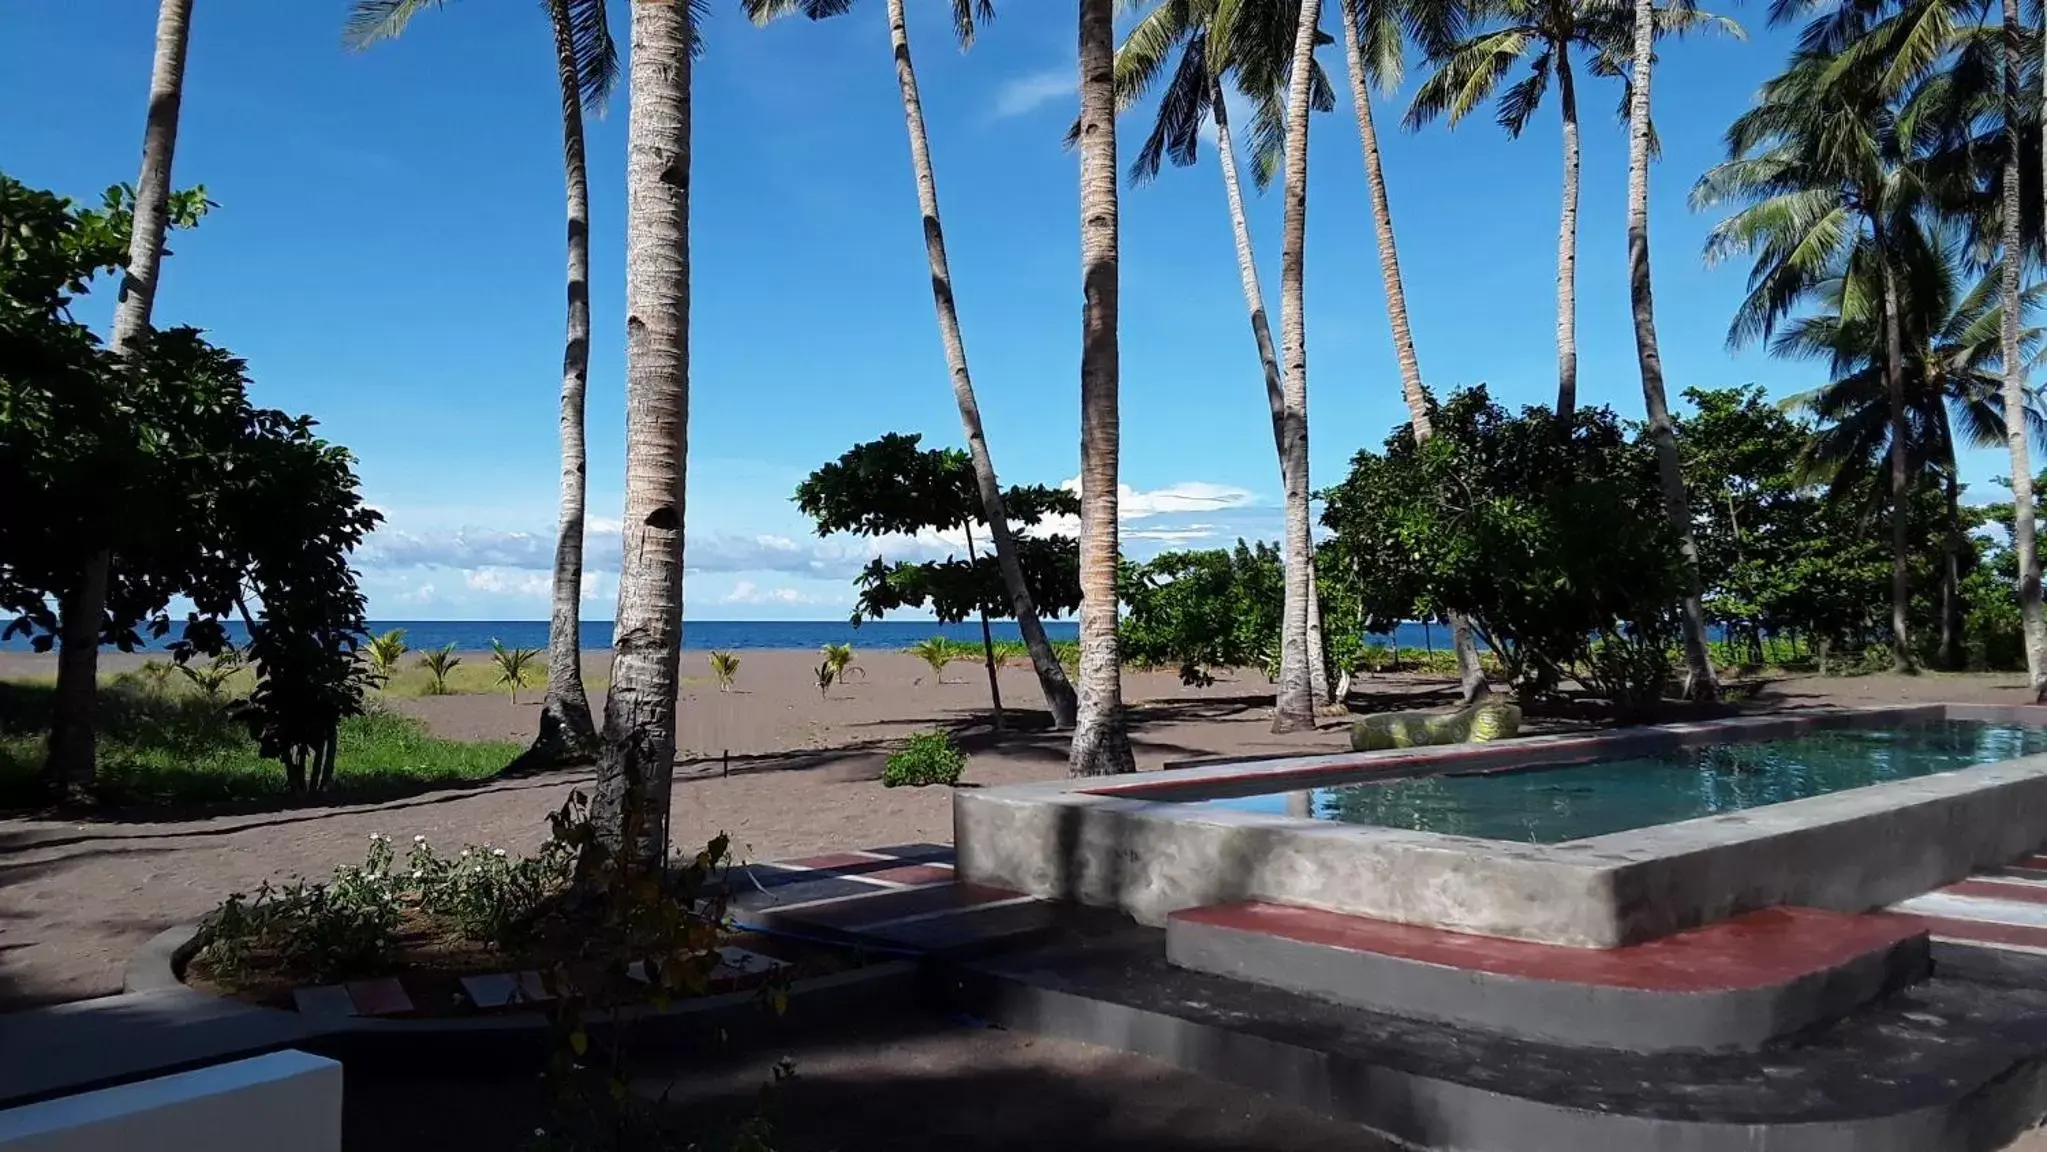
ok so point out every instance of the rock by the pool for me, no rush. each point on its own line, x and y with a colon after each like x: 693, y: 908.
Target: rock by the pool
x: 1491, y: 720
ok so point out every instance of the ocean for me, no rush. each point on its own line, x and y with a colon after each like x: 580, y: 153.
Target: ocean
x: 476, y: 635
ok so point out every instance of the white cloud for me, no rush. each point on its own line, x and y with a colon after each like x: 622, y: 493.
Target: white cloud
x: 747, y: 592
x: 1024, y: 94
x: 1172, y: 535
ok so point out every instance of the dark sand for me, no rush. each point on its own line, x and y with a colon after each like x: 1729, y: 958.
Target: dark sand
x: 76, y: 899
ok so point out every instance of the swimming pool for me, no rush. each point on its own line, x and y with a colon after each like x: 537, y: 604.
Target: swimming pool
x: 1556, y: 804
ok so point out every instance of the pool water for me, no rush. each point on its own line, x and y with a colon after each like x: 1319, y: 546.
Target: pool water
x: 1550, y: 805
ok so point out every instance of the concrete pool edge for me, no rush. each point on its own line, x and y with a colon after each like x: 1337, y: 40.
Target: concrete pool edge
x: 1103, y: 843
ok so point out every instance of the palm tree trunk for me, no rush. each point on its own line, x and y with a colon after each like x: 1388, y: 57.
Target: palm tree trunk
x: 1894, y: 386
x: 2015, y: 432
x: 1567, y: 250
x: 1268, y: 359
x: 1699, y: 681
x: 1295, y: 708
x: 73, y: 748
x: 987, y: 636
x: 1951, y: 569
x: 1058, y: 691
x: 565, y: 725
x: 1101, y: 745
x: 1411, y: 387
x: 630, y: 805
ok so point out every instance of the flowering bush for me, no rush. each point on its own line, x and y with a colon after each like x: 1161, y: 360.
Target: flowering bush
x: 491, y: 896
x: 346, y: 927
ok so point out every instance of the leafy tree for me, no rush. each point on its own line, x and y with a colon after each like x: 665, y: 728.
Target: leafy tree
x: 1199, y: 611
x: 895, y: 487
x: 1555, y: 546
x: 157, y: 461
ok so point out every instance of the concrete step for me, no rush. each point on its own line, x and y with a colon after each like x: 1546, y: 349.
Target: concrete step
x: 1734, y: 985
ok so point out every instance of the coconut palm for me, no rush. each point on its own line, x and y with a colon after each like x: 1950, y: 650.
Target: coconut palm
x: 386, y: 650
x: 514, y: 665
x: 72, y: 749
x: 1256, y: 53
x: 1059, y: 695
x: 438, y: 662
x: 586, y: 68
x: 1544, y: 33
x: 1101, y: 743
x: 1700, y: 683
x: 1953, y: 354
x: 2013, y: 382
x: 1295, y: 708
x: 635, y: 768
x: 725, y: 668
x: 1818, y: 168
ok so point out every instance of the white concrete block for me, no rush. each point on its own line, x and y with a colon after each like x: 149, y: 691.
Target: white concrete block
x: 281, y: 1102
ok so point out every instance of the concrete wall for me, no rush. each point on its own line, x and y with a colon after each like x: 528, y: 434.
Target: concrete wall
x: 1848, y: 851
x: 282, y: 1102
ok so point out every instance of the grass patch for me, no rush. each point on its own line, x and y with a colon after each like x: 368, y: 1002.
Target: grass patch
x: 175, y: 746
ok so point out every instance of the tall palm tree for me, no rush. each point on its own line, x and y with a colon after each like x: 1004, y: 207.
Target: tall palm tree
x: 1375, y: 38
x: 1954, y: 348
x: 1544, y: 33
x: 635, y: 766
x: 72, y: 748
x: 1101, y: 744
x: 1295, y: 708
x: 586, y: 68
x: 1260, y: 46
x: 1700, y: 683
x: 1059, y: 695
x: 2013, y: 384
x: 1820, y: 166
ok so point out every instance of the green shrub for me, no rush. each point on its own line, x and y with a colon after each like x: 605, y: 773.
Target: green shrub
x: 928, y: 758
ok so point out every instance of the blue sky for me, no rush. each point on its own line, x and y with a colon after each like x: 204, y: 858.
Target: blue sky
x: 388, y: 257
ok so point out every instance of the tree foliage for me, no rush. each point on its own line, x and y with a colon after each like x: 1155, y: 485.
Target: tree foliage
x: 895, y: 487
x: 162, y: 460
x: 1553, y: 545
x: 1198, y: 611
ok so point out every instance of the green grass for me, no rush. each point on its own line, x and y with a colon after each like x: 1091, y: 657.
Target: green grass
x: 177, y: 747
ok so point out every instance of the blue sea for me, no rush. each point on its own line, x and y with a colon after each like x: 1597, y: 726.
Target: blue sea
x: 476, y: 635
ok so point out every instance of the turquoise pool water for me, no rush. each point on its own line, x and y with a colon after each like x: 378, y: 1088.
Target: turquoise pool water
x: 1550, y: 805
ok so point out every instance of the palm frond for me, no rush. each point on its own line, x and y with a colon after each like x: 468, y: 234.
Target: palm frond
x: 372, y: 20
x: 1468, y: 75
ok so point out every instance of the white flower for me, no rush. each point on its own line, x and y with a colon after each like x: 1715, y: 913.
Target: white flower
x: 465, y: 852
x: 499, y: 852
x: 419, y: 839
x: 416, y: 873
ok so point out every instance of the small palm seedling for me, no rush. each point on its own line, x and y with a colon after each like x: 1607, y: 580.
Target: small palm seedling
x: 840, y: 657
x: 938, y: 651
x: 212, y: 679
x: 386, y: 650
x: 515, y: 666
x: 825, y: 674
x: 156, y: 676
x: 725, y: 666
x: 438, y: 662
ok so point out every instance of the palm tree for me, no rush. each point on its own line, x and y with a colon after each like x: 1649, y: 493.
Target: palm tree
x: 73, y: 749
x: 586, y: 67
x: 1259, y: 44
x: 1059, y: 695
x: 634, y: 770
x: 1295, y: 708
x: 1953, y: 354
x: 1700, y: 683
x: 1543, y: 32
x: 1820, y: 167
x: 1101, y: 745
x: 1375, y: 36
x: 2013, y: 384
